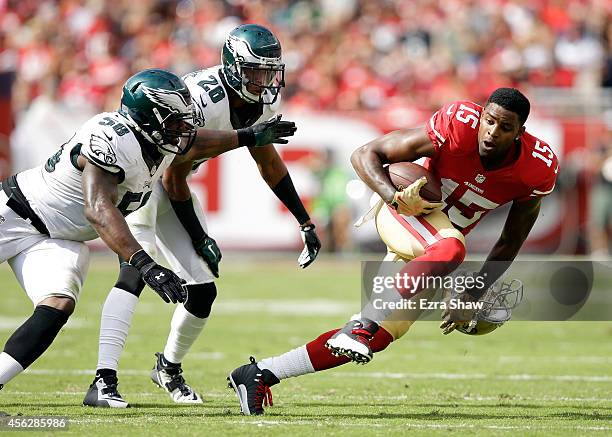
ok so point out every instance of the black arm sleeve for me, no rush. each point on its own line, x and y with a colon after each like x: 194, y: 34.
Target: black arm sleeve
x: 188, y: 218
x: 286, y: 193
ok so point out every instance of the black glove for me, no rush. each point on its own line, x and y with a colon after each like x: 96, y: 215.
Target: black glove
x: 162, y: 280
x: 207, y: 248
x: 270, y: 131
x: 312, y: 245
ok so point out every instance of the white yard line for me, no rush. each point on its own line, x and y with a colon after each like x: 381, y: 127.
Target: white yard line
x: 378, y: 375
x: 288, y: 398
x: 470, y: 376
x: 318, y: 423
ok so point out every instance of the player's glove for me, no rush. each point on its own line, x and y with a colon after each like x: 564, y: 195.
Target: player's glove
x: 270, y: 131
x: 162, y: 280
x: 457, y: 317
x: 409, y: 201
x: 207, y: 248
x: 312, y: 245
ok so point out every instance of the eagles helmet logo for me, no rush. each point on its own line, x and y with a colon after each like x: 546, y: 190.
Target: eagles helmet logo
x: 102, y: 149
x: 169, y: 99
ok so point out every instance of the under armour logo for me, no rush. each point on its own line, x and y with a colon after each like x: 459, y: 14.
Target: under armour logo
x: 158, y: 277
x: 480, y: 178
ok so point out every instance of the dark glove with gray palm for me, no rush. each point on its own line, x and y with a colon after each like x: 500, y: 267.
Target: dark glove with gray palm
x: 162, y: 280
x: 312, y: 245
x: 270, y: 131
x: 207, y: 248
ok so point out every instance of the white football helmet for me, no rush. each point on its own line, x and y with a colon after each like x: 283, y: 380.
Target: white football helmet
x: 498, y: 302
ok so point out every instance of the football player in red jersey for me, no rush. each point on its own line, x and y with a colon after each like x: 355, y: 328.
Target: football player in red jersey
x: 484, y: 159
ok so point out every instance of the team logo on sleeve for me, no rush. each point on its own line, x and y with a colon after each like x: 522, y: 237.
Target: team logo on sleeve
x: 102, y: 150
x: 169, y: 99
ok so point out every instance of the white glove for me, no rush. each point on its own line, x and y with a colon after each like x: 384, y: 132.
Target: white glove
x: 410, y: 202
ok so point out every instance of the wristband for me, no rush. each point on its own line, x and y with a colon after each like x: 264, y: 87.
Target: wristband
x: 140, y: 259
x: 246, y: 137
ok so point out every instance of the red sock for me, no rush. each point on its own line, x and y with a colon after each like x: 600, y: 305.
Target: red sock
x: 322, y: 359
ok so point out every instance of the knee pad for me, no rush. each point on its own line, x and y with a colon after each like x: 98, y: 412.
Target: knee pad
x: 200, y: 298
x: 129, y: 279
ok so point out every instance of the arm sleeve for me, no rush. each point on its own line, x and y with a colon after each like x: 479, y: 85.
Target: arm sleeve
x: 186, y: 214
x: 286, y: 193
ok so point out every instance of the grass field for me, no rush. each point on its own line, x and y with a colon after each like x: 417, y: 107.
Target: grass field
x: 527, y: 378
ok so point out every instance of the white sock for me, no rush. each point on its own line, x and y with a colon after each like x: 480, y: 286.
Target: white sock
x: 116, y: 320
x: 9, y: 368
x: 296, y: 362
x: 184, y: 329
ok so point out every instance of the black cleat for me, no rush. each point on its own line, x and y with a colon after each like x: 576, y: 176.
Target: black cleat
x: 103, y: 393
x: 252, y: 386
x: 169, y: 377
x: 353, y: 341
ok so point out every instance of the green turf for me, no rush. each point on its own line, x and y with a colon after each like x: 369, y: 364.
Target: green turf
x: 524, y: 379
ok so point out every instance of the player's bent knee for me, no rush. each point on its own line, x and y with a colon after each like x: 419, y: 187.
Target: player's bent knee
x: 130, y: 280
x: 62, y: 303
x: 200, y: 298
x: 451, y: 250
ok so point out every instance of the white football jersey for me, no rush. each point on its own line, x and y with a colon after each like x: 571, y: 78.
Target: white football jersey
x: 211, y: 102
x: 54, y: 189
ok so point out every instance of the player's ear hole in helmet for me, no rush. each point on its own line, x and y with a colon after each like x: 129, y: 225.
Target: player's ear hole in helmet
x: 158, y: 104
x: 252, y: 65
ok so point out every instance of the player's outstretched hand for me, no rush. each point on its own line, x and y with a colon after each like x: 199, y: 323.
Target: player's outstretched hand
x: 270, y: 131
x: 162, y: 280
x: 207, y: 248
x: 410, y: 202
x: 312, y: 245
x: 453, y: 318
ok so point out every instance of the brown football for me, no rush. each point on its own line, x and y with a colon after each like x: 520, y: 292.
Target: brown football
x: 403, y: 174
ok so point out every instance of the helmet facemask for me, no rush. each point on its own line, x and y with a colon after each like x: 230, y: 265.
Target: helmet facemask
x: 497, y: 305
x: 177, y: 131
x: 257, y: 80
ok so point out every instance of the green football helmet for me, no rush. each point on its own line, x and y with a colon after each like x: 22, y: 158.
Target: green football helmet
x: 251, y: 58
x: 158, y: 104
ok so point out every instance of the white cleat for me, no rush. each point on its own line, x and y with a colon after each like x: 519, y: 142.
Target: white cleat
x: 353, y: 341
x: 169, y: 377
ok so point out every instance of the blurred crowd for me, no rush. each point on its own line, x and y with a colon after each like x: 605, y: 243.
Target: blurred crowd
x: 392, y: 61
x: 340, y: 54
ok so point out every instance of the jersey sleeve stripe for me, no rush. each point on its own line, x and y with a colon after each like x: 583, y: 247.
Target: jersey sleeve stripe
x: 104, y: 166
x: 433, y: 128
x: 112, y: 169
x: 542, y: 193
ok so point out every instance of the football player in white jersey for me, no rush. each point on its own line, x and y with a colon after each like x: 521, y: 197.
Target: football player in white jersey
x: 104, y: 172
x: 242, y: 91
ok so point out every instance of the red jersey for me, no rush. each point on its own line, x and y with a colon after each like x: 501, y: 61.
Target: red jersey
x: 469, y: 191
